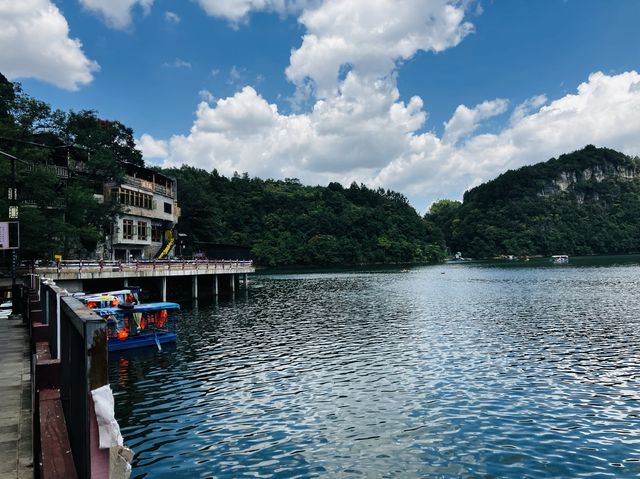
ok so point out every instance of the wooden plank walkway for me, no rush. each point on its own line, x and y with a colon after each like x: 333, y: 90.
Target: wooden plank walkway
x: 16, y: 456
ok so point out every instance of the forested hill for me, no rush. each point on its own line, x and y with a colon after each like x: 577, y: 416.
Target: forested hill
x: 286, y: 223
x: 585, y: 202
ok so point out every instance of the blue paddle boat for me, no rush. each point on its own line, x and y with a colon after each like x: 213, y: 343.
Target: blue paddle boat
x: 140, y: 325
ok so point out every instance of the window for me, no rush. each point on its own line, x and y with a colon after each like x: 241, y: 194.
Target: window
x: 142, y: 230
x: 127, y: 229
x: 156, y: 233
x: 134, y: 198
x: 167, y: 207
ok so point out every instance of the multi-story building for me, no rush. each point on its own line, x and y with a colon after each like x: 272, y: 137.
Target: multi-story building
x: 145, y: 227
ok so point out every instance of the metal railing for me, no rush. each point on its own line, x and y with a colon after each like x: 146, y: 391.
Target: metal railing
x: 148, y: 185
x: 69, y: 360
x: 100, y: 266
x: 83, y: 368
x: 59, y: 171
x: 77, y: 337
x: 51, y: 298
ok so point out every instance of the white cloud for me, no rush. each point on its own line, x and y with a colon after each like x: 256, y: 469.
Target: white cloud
x: 236, y: 11
x: 370, y: 37
x: 171, y: 17
x: 206, y: 95
x: 152, y: 148
x: 527, y: 107
x: 177, y: 63
x: 604, y: 111
x: 367, y: 134
x: 116, y: 13
x: 244, y: 114
x: 466, y: 120
x: 235, y: 75
x: 356, y: 131
x: 35, y: 43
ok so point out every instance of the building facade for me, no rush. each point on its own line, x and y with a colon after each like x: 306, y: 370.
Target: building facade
x: 145, y: 227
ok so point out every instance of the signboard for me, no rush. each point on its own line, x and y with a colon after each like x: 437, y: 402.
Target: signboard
x: 9, y: 235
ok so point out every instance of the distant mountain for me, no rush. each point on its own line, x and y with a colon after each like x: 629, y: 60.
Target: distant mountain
x: 585, y: 202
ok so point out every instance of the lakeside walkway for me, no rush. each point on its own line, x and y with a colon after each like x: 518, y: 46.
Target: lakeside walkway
x: 16, y: 458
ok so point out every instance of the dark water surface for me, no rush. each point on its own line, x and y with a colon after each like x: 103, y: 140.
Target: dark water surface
x: 465, y: 370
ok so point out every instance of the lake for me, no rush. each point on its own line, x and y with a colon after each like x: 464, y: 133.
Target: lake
x: 498, y: 369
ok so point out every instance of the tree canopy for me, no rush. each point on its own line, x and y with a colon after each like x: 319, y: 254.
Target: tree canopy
x: 286, y: 223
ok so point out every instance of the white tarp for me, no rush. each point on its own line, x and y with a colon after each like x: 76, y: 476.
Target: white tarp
x: 107, y: 425
x: 109, y: 431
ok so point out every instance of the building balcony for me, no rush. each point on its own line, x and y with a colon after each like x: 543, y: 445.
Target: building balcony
x: 167, y: 191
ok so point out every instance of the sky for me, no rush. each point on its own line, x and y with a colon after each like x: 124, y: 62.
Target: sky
x: 425, y: 97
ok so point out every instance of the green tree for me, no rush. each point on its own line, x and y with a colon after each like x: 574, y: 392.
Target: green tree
x: 287, y: 223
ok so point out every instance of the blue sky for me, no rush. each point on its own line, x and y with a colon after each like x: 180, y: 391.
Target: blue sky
x: 427, y: 97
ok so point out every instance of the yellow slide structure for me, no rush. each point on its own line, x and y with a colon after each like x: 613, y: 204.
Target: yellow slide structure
x: 169, y: 241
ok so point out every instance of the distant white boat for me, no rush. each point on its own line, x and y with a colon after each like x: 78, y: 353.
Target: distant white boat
x: 560, y: 259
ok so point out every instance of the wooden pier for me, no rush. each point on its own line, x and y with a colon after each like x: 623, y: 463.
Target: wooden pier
x: 16, y: 458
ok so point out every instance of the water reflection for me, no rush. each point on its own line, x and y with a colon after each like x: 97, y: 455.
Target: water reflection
x: 447, y: 371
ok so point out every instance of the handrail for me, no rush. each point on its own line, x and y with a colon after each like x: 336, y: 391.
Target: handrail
x: 83, y: 368
x: 59, y: 171
x: 70, y: 362
x: 168, y: 264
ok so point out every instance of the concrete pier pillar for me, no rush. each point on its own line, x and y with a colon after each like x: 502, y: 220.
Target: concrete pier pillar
x: 215, y: 285
x: 233, y: 283
x: 245, y: 281
x: 163, y: 288
x: 194, y: 286
x: 126, y: 283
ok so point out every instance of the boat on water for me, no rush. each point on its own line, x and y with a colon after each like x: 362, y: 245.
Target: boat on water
x: 140, y: 325
x: 122, y: 297
x: 560, y: 259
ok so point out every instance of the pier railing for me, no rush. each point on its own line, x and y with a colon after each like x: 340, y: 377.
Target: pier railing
x: 99, y: 266
x: 51, y: 300
x: 69, y: 361
x: 83, y: 368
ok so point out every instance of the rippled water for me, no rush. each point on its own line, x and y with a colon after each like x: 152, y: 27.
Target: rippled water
x: 445, y: 371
